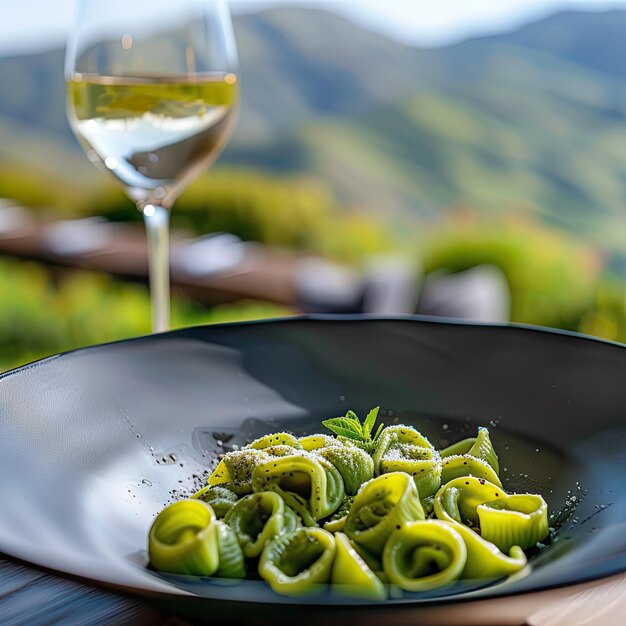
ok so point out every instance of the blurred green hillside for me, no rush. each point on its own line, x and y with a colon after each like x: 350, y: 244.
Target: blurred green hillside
x: 533, y: 118
x: 43, y: 311
x: 508, y: 150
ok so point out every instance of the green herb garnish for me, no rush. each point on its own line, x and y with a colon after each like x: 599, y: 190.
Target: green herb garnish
x: 351, y: 428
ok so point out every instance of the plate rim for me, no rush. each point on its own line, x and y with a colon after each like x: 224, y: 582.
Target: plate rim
x: 333, y: 318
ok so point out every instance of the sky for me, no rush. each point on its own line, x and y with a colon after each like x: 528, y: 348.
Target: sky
x: 418, y: 22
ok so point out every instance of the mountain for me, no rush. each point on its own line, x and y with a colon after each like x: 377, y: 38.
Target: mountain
x: 593, y: 41
x: 534, y: 118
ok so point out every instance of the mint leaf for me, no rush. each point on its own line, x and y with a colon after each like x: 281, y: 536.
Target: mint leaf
x: 352, y: 416
x: 380, y: 427
x: 368, y: 424
x: 345, y: 426
x: 350, y: 427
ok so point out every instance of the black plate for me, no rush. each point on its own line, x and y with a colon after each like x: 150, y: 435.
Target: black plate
x: 93, y: 443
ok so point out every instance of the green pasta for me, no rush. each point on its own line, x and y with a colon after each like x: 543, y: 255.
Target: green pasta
x: 277, y: 439
x: 219, y: 497
x: 467, y: 465
x: 232, y: 564
x: 458, y: 500
x: 310, y: 485
x: 183, y: 539
x: 504, y: 520
x: 518, y: 520
x: 299, y: 562
x: 383, y: 505
x: 257, y: 519
x: 236, y: 469
x: 335, y: 525
x: 404, y: 449
x: 351, y: 575
x: 424, y: 555
x: 375, y: 563
x: 220, y: 475
x: 315, y: 442
x: 349, y: 511
x: 354, y: 464
x: 484, y: 559
x: 338, y: 519
x: 479, y: 447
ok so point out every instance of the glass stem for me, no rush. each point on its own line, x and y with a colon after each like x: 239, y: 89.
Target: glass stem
x: 157, y: 221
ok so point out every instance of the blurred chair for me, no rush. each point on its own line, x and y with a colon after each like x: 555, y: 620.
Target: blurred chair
x: 394, y: 286
x: 481, y: 294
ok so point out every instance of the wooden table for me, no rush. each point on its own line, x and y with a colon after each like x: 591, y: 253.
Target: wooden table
x: 31, y: 597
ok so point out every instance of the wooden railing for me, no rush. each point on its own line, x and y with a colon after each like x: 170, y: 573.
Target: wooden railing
x: 211, y: 270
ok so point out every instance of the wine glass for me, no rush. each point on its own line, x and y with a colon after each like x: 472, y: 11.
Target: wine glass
x: 152, y: 95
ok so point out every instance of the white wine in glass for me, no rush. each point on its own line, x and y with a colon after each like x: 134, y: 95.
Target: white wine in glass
x: 152, y: 97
